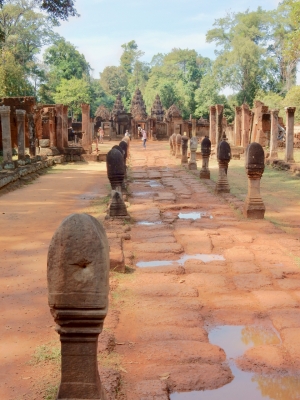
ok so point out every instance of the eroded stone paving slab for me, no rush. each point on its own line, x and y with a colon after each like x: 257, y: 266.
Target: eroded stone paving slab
x: 247, y: 276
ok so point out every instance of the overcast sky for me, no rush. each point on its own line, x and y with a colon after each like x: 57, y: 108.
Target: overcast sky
x: 157, y: 26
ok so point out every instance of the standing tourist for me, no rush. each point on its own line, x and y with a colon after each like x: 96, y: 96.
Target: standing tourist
x: 144, y: 137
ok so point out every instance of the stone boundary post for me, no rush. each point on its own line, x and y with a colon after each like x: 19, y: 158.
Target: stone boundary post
x: 184, y: 149
x: 78, y: 286
x: 205, y: 152
x: 254, y: 207
x: 193, y: 149
x: 6, y: 133
x: 224, y: 156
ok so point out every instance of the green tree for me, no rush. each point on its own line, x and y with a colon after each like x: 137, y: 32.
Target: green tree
x: 292, y: 99
x: 114, y: 81
x: 73, y: 93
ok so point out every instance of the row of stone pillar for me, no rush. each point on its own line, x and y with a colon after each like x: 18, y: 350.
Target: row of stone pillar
x: 6, y: 134
x: 216, y: 123
x: 254, y: 207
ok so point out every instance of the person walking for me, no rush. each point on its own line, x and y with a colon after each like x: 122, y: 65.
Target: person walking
x: 144, y: 137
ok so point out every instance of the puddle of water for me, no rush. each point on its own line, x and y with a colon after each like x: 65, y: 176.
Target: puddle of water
x: 143, y: 264
x: 235, y: 340
x: 160, y: 263
x: 203, y: 257
x: 142, y: 193
x: 194, y: 215
x: 148, y: 223
x: 154, y: 183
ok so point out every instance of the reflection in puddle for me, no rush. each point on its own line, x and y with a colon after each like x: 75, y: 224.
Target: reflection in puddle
x: 154, y: 183
x: 148, y: 223
x: 142, y: 193
x: 194, y: 215
x: 235, y: 340
x: 203, y: 257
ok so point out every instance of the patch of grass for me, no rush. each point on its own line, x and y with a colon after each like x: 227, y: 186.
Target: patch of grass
x: 46, y: 353
x: 50, y: 392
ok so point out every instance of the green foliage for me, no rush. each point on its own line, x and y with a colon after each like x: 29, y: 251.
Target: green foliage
x: 292, y: 99
x: 73, y: 93
x: 114, y: 80
x: 46, y: 353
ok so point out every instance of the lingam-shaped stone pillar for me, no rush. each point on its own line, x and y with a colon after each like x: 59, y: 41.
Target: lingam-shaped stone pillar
x: 126, y: 139
x: 6, y: 133
x: 254, y: 207
x: 116, y: 174
x: 78, y: 286
x: 289, y: 140
x: 174, y: 141
x: 184, y: 149
x: 205, y: 152
x: 178, y: 146
x: 212, y: 124
x: 193, y: 149
x: 224, y: 156
x: 274, y: 134
x: 21, y: 133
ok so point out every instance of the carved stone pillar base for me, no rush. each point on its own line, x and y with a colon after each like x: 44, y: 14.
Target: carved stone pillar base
x: 204, y: 174
x: 254, y: 207
x: 178, y: 151
x: 192, y: 166
x: 117, y: 206
x: 222, y: 185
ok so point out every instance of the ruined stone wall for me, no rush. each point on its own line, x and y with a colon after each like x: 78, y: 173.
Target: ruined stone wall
x: 18, y: 103
x: 229, y: 131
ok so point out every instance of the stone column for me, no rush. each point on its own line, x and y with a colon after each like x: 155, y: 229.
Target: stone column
x: 254, y: 207
x: 6, y: 133
x: 245, y: 125
x: 184, y: 149
x: 219, y: 122
x: 212, y: 124
x: 32, y: 135
x: 59, y: 127
x: 193, y: 149
x: 224, y: 156
x: 65, y: 127
x: 205, y: 152
x: 274, y: 133
x: 78, y: 286
x: 178, y: 146
x: 86, y: 140
x: 237, y: 126
x: 21, y: 133
x: 289, y: 141
x: 52, y: 127
x: 194, y: 129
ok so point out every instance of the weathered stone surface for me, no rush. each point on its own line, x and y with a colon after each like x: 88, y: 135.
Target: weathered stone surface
x: 78, y: 268
x: 168, y: 290
x: 254, y: 207
x: 224, y: 156
x: 184, y: 148
x: 205, y: 152
x: 115, y: 168
x: 117, y: 206
x: 274, y: 299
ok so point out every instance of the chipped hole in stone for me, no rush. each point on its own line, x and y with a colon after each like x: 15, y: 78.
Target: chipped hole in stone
x: 235, y: 340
